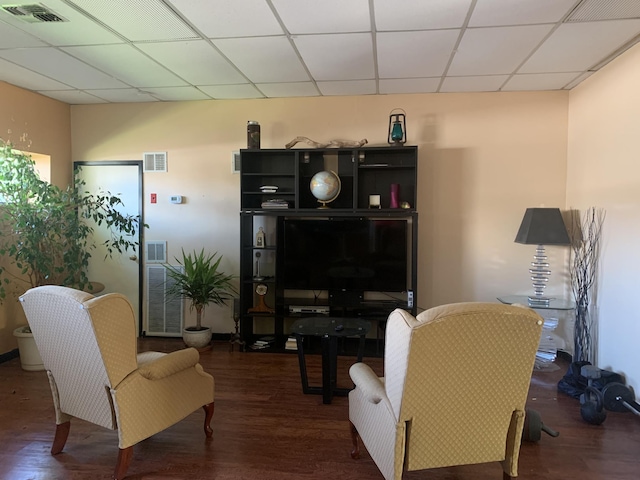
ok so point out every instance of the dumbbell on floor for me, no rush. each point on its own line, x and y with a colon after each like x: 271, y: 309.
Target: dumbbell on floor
x: 619, y: 398
x: 592, y: 401
x: 533, y: 427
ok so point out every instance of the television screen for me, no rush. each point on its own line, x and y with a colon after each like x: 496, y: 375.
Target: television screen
x: 348, y: 254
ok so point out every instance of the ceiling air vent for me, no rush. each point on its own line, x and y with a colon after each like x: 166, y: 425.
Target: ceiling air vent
x: 33, y: 13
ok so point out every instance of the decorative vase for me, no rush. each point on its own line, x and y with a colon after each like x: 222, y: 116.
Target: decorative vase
x: 30, y: 359
x: 395, y: 194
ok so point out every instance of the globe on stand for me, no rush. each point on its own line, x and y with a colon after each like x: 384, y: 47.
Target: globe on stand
x: 325, y: 186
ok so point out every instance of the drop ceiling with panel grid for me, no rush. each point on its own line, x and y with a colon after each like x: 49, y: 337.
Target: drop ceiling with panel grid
x: 99, y: 51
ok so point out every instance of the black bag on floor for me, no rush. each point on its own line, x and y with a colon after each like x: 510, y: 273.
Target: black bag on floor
x: 574, y: 384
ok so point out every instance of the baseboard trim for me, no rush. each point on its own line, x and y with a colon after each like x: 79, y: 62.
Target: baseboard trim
x: 5, y: 357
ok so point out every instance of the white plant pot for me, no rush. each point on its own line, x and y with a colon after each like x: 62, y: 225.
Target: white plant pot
x: 29, y: 355
x: 197, y: 338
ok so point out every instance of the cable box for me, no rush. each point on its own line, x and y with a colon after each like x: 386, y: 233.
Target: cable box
x: 314, y: 309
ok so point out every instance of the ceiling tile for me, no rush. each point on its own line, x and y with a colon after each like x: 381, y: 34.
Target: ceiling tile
x: 124, y: 17
x: 295, y: 89
x: 127, y: 95
x: 231, y: 91
x: 414, y: 54
x: 127, y: 64
x: 488, y: 83
x: 575, y: 47
x: 420, y: 15
x: 76, y: 31
x: 264, y: 60
x: 409, y: 85
x: 347, y: 56
x: 222, y: 18
x: 176, y: 94
x: 195, y: 61
x: 59, y: 66
x: 539, y: 81
x: 348, y: 87
x: 73, y: 97
x: 327, y: 16
x: 17, y: 75
x: 486, y: 51
x: 526, y: 12
x: 14, y: 37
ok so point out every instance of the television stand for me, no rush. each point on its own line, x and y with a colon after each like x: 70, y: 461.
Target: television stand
x: 344, y: 252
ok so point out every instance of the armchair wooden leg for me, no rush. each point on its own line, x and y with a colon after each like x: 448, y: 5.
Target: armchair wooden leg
x: 124, y: 459
x: 62, y: 433
x: 208, y: 410
x: 355, y: 453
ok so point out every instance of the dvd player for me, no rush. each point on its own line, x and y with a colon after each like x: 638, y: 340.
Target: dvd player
x: 314, y: 309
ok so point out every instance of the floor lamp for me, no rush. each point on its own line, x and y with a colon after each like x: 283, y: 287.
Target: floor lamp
x: 541, y: 226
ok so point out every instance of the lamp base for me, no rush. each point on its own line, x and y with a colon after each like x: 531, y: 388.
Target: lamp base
x: 539, y: 301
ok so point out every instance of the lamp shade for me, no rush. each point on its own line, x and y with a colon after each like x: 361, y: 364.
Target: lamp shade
x: 543, y: 226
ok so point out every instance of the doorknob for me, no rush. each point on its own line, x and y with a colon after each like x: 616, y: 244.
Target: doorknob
x: 133, y: 257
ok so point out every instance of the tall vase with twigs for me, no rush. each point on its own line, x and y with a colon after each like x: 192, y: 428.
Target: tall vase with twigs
x: 585, y: 232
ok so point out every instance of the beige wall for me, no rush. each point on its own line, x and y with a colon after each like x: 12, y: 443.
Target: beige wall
x: 483, y: 158
x: 604, y: 171
x: 40, y: 125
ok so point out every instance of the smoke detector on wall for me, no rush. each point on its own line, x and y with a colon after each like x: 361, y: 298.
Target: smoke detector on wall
x: 33, y: 13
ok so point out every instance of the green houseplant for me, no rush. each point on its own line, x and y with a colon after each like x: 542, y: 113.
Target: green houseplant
x: 198, y: 279
x: 45, y: 238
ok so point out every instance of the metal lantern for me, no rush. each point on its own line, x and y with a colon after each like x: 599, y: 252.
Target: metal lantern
x: 397, y: 128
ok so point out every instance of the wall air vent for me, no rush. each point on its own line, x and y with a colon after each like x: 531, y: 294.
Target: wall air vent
x: 156, y: 251
x: 33, y: 13
x: 155, y: 161
x: 164, y: 314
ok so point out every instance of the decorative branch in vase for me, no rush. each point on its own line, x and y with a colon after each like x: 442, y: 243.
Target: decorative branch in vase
x: 585, y: 232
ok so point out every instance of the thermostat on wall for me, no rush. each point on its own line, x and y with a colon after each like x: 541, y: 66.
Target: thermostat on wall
x: 175, y: 198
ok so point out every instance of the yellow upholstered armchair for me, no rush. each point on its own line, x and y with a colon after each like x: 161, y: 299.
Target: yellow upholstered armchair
x: 88, y: 346
x: 454, y: 390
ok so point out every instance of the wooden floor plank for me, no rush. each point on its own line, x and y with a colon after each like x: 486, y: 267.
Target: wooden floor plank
x: 265, y: 428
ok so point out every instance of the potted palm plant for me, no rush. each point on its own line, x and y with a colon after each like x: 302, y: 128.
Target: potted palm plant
x: 45, y: 239
x: 198, y: 279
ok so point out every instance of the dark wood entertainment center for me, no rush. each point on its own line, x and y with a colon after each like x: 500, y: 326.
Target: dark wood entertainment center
x: 363, y: 171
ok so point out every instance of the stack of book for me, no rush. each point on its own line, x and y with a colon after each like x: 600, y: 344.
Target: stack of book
x: 549, y: 344
x: 268, y: 188
x: 275, y: 203
x: 262, y: 343
x: 291, y: 344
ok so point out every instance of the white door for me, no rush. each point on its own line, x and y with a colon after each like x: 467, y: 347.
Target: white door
x: 122, y: 272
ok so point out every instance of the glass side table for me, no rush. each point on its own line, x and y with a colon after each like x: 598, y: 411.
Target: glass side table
x: 548, y: 347
x: 554, y: 303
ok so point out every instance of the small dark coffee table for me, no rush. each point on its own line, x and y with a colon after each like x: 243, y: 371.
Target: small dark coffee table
x: 330, y: 329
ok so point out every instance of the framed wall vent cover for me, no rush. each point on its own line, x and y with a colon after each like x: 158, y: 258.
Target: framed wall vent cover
x: 235, y: 162
x: 156, y: 251
x: 164, y: 314
x: 155, y: 161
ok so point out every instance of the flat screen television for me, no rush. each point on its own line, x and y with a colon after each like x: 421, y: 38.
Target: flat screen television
x: 345, y: 254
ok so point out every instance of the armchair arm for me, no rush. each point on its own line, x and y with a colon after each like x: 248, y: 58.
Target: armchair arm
x: 169, y: 364
x: 371, y: 386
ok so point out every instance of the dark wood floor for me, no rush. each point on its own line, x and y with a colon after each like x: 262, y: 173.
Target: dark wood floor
x: 265, y: 428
